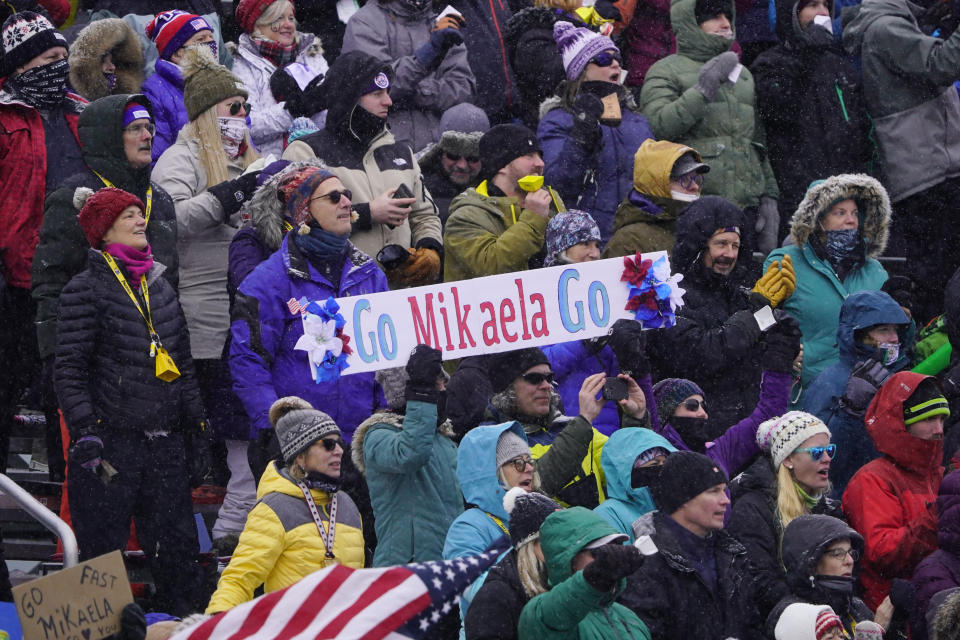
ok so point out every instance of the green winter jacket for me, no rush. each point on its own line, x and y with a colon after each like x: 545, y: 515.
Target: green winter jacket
x: 487, y: 235
x: 572, y: 609
x: 725, y: 131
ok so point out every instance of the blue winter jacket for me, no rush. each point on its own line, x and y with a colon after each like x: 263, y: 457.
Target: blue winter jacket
x: 263, y: 362
x: 572, y: 363
x: 624, y: 504
x: 854, y: 447
x: 165, y: 90
x: 593, y: 180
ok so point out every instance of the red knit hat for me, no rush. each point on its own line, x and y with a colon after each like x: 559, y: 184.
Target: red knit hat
x: 827, y: 620
x: 249, y: 11
x: 99, y: 210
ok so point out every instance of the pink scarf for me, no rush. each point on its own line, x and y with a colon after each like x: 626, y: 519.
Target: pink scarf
x: 136, y: 262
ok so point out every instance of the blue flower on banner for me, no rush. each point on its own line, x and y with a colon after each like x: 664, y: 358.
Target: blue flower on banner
x: 653, y: 293
x: 323, y: 339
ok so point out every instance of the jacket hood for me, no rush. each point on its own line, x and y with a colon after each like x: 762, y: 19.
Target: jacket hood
x: 787, y: 22
x: 804, y: 541
x: 872, y: 202
x: 757, y: 477
x: 344, y: 83
x: 356, y: 442
x: 653, y: 163
x: 867, y: 309
x: 406, y: 11
x: 277, y: 481
x: 617, y: 457
x: 948, y: 508
x: 267, y: 212
x: 698, y: 224
x: 477, y: 466
x: 691, y: 41
x: 564, y: 534
x: 101, y: 141
x: 870, y: 11
x: 884, y: 420
x: 637, y: 208
x: 111, y: 35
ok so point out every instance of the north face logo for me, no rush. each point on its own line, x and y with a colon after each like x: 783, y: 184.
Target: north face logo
x: 400, y: 162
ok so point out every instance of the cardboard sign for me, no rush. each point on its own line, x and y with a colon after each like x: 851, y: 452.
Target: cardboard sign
x: 485, y: 315
x: 80, y: 603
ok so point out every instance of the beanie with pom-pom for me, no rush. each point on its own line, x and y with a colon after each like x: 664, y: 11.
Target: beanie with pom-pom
x: 299, y: 425
x: 780, y: 437
x: 99, y: 210
x: 527, y: 512
x: 206, y: 82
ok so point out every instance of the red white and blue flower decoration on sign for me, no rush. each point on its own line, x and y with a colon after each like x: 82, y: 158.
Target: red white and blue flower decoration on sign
x: 323, y: 339
x: 654, y: 294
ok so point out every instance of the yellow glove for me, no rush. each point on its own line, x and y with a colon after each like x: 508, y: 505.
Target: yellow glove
x: 422, y: 268
x: 778, y: 283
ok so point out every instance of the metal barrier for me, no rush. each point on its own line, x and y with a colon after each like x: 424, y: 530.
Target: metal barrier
x: 46, y: 517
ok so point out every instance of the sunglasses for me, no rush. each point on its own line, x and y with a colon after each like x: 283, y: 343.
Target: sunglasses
x: 817, y: 452
x: 236, y: 107
x: 687, y: 180
x: 839, y: 554
x: 452, y: 157
x: 520, y: 463
x: 536, y: 379
x: 694, y: 405
x: 605, y: 59
x: 331, y: 443
x: 335, y: 195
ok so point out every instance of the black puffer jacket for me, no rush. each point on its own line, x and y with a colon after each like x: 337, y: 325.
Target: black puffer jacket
x: 804, y: 541
x: 754, y: 521
x: 671, y: 597
x: 720, y: 356
x: 494, y: 612
x: 62, y: 251
x: 811, y: 104
x: 103, y: 369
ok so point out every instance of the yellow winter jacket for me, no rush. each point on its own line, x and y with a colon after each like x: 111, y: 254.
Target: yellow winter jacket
x: 280, y: 543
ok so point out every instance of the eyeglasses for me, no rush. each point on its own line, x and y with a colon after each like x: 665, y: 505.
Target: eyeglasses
x: 236, y: 107
x: 331, y: 443
x: 840, y: 554
x: 335, y: 195
x: 687, y: 180
x: 605, y: 59
x: 817, y: 452
x: 452, y: 157
x: 520, y: 463
x: 536, y: 379
x: 693, y: 404
x: 138, y: 129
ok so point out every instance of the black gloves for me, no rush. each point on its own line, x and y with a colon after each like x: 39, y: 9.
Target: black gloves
x: 298, y: 103
x: 715, y: 72
x: 606, y: 10
x: 233, y: 193
x: 133, y: 624
x: 198, y: 445
x: 431, y: 54
x: 628, y: 340
x: 587, y: 109
x: 865, y: 380
x: 423, y: 369
x: 782, y: 344
x: 87, y: 452
x: 611, y: 562
x: 745, y: 323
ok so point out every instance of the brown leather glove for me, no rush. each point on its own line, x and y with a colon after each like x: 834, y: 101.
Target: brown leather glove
x: 422, y: 268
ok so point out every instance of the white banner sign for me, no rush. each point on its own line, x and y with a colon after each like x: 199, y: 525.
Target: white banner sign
x: 484, y: 315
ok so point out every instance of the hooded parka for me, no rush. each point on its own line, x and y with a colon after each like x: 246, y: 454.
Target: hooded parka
x: 98, y: 38
x: 891, y: 501
x: 941, y: 569
x: 165, y: 90
x: 725, y: 131
x: 62, y: 251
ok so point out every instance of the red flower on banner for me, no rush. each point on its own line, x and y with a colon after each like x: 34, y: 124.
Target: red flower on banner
x: 346, y: 342
x: 635, y: 269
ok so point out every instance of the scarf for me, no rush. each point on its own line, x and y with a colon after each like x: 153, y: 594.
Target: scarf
x: 322, y: 482
x: 809, y: 501
x: 320, y: 244
x: 841, y: 244
x: 279, y: 54
x: 44, y: 87
x: 364, y: 125
x: 232, y: 131
x: 136, y: 263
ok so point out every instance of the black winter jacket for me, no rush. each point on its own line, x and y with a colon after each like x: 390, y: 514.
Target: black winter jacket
x: 62, y: 251
x: 811, y: 105
x: 671, y: 598
x: 103, y: 369
x: 755, y: 523
x: 494, y: 612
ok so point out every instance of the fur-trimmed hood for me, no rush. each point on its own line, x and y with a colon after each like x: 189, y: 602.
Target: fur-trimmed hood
x: 872, y: 201
x: 111, y: 35
x: 267, y: 211
x: 390, y: 419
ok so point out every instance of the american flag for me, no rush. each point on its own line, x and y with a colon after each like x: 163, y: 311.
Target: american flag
x: 393, y: 603
x: 297, y: 306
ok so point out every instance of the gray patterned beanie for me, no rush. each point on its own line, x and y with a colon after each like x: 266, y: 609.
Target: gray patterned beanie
x: 299, y: 425
x: 781, y: 436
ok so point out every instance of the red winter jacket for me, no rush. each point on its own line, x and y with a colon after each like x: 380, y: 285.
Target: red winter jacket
x: 23, y: 165
x: 891, y: 501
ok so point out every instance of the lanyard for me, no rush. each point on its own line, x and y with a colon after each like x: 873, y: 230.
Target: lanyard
x: 326, y: 536
x: 498, y: 521
x: 146, y: 214
x: 154, y: 338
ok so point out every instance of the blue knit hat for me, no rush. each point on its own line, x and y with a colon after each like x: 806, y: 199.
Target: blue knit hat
x: 566, y: 229
x: 670, y: 392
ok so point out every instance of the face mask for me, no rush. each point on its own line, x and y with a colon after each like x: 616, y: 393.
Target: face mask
x: 111, y: 80
x: 43, y: 87
x: 212, y: 44
x: 890, y: 350
x: 643, y: 476
x: 684, y: 197
x: 232, y: 131
x: 839, y: 584
x: 321, y: 481
x: 841, y: 243
x: 692, y: 430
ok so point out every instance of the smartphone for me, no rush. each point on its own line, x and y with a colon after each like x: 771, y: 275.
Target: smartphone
x: 611, y: 115
x: 614, y: 389
x: 403, y: 191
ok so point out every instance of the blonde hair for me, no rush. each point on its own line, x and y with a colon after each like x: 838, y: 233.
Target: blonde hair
x: 206, y: 131
x: 789, y: 501
x: 533, y: 573
x: 273, y: 13
x: 566, y: 5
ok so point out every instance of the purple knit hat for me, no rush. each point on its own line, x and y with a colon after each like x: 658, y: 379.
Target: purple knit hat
x: 578, y: 46
x: 567, y: 229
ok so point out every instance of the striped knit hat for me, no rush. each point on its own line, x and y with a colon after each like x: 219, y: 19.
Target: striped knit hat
x: 827, y: 620
x: 927, y: 401
x: 170, y: 29
x: 25, y: 35
x: 781, y: 436
x: 297, y: 189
